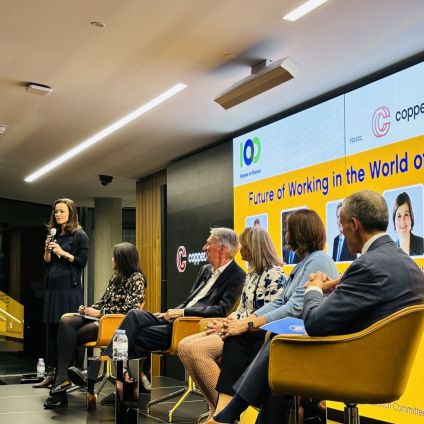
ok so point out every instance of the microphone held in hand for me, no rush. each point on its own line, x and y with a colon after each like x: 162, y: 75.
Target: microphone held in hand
x: 51, y: 236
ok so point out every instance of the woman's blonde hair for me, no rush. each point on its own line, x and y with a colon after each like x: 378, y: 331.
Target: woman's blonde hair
x: 261, y: 248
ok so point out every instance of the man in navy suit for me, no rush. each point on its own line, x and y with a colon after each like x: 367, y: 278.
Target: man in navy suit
x: 216, y: 289
x: 340, y: 247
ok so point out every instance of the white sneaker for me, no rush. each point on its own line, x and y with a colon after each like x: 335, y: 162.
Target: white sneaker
x: 146, y: 383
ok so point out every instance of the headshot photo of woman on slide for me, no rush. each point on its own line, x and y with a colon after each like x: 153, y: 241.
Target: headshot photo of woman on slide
x: 403, y: 221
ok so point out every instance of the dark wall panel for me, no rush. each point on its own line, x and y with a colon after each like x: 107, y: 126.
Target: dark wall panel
x: 199, y: 196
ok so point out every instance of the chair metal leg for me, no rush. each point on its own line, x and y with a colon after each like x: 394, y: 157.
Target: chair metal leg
x: 105, y: 379
x: 163, y: 398
x: 351, y: 415
x: 107, y: 376
x: 185, y: 392
x: 294, y: 413
x: 311, y: 417
x: 190, y: 389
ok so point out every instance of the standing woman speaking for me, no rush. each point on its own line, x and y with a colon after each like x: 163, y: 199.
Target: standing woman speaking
x: 66, y: 254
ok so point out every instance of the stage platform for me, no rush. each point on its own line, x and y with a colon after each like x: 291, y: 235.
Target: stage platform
x: 21, y: 404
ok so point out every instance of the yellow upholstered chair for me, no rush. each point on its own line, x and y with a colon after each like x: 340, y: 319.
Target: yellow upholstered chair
x: 108, y: 324
x: 183, y: 327
x: 370, y: 366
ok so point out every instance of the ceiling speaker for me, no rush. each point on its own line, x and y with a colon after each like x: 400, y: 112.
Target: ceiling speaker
x: 263, y: 78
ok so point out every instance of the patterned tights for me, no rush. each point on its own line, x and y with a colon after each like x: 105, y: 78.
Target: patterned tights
x: 201, y: 355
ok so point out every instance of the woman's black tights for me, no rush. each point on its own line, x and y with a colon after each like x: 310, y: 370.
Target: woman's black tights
x: 73, y: 331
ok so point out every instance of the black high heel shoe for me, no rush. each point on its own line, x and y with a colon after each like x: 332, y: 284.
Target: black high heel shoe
x: 58, y: 398
x: 60, y: 389
x: 48, y: 381
x: 55, y: 402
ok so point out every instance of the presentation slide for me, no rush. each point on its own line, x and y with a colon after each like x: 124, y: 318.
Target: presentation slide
x: 369, y: 138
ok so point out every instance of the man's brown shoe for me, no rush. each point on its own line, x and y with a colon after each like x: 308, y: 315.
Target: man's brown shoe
x: 91, y: 401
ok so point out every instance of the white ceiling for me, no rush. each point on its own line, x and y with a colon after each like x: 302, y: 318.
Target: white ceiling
x: 99, y: 75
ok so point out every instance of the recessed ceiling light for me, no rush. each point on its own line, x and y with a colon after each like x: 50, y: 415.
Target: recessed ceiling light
x: 97, y: 24
x: 106, y: 131
x: 303, y: 9
x: 3, y: 128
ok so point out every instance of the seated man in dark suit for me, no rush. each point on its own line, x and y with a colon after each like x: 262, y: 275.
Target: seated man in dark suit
x: 381, y: 281
x: 217, y: 288
x: 340, y: 247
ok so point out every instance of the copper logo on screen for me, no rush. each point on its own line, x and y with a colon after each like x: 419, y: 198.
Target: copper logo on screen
x: 381, y: 121
x: 250, y: 151
x: 181, y: 259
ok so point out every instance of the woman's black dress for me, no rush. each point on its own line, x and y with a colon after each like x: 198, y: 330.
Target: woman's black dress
x: 63, y: 278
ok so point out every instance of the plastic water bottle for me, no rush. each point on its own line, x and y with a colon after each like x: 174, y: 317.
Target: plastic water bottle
x: 41, y: 368
x: 120, y: 346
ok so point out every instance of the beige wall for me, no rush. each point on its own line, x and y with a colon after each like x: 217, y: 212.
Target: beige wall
x: 107, y: 233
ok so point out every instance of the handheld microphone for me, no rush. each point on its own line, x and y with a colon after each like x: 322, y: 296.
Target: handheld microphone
x: 51, y: 236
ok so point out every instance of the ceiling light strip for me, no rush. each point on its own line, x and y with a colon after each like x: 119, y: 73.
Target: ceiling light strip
x: 106, y: 131
x: 303, y: 9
